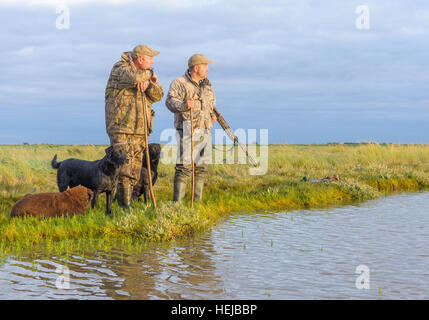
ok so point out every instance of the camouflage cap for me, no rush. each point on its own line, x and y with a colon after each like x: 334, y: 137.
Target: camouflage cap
x: 198, y: 59
x: 144, y: 50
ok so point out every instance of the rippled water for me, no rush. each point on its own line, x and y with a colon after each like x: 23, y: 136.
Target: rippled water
x: 306, y: 254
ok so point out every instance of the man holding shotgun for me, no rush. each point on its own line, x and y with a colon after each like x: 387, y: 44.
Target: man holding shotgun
x: 131, y: 90
x: 192, y: 95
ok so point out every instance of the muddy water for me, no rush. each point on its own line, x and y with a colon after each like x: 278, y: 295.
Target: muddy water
x: 375, y: 250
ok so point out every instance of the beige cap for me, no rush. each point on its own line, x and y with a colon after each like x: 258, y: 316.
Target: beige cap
x: 198, y: 59
x: 144, y: 50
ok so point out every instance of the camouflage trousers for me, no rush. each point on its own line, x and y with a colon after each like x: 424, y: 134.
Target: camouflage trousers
x: 202, y: 154
x: 132, y: 145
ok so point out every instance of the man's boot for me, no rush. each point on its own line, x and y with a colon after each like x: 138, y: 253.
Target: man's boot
x: 124, y: 196
x: 199, y: 185
x: 179, y: 189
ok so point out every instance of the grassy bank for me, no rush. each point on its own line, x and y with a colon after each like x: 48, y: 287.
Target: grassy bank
x: 366, y: 171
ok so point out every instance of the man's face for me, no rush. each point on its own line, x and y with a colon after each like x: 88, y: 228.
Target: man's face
x: 201, y: 70
x: 145, y: 62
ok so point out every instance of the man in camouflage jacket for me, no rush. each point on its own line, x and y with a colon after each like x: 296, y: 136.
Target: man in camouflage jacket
x: 131, y: 90
x: 192, y: 90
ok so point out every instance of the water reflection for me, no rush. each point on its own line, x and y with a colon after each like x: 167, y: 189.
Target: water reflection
x: 184, y: 271
x: 310, y: 254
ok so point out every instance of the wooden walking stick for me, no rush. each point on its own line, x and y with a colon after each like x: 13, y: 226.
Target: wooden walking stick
x: 192, y: 158
x: 145, y: 117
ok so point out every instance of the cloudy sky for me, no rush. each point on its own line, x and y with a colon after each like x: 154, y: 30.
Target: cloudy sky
x: 301, y: 69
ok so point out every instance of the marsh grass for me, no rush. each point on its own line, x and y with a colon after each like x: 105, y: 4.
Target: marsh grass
x: 367, y: 171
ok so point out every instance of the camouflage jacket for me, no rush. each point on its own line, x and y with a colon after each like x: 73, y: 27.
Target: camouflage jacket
x: 184, y: 88
x: 124, y: 113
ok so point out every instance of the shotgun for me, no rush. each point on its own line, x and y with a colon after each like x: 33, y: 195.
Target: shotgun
x: 231, y: 135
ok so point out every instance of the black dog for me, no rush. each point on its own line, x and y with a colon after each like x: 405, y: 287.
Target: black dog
x: 98, y: 176
x: 142, y: 187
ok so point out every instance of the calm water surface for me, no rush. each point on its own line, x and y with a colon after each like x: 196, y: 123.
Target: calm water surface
x: 306, y: 254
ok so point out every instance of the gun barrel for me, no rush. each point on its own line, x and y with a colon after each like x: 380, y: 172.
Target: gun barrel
x: 231, y: 135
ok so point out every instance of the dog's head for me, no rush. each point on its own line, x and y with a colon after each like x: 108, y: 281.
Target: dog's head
x: 80, y: 192
x: 116, y: 156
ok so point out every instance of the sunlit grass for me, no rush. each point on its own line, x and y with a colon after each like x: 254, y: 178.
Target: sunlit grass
x: 366, y: 171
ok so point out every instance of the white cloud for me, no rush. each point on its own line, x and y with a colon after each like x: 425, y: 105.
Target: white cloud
x: 170, y: 4
x: 55, y: 3
x: 412, y: 31
x: 27, y: 51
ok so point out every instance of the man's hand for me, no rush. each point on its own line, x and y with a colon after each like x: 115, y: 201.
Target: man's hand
x: 154, y: 78
x: 189, y: 103
x: 142, y: 86
x: 214, y: 119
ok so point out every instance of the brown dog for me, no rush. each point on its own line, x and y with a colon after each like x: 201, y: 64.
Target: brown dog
x: 70, y: 202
